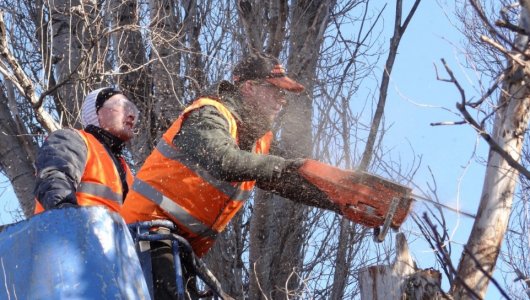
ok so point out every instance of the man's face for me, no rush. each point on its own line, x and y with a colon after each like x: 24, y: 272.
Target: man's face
x: 263, y: 98
x: 118, y: 116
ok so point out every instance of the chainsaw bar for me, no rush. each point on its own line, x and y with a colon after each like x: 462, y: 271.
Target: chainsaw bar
x: 436, y: 203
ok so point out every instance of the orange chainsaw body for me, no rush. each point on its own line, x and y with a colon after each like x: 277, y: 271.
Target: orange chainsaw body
x: 363, y: 198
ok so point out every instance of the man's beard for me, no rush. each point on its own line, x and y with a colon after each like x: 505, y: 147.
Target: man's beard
x: 255, y: 125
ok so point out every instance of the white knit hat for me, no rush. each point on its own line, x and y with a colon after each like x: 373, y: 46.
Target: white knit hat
x: 89, y: 114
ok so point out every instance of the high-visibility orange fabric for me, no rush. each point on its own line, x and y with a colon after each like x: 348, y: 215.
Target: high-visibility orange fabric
x: 99, y: 170
x: 194, y: 195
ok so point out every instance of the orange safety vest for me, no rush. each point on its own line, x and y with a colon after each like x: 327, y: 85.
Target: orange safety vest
x: 100, y: 183
x: 171, y: 186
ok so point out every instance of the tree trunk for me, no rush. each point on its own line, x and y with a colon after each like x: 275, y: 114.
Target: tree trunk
x: 282, y: 232
x: 132, y: 64
x: 251, y: 14
x: 195, y: 71
x: 17, y: 154
x: 342, y: 264
x: 225, y: 258
x: 510, y: 125
x: 70, y: 21
x: 166, y: 68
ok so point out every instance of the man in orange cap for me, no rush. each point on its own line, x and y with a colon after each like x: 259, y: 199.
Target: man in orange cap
x: 207, y: 163
x: 209, y: 160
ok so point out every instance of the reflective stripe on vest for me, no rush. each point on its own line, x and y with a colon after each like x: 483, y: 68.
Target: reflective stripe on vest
x: 99, y: 190
x: 228, y: 189
x: 174, y: 185
x: 183, y: 217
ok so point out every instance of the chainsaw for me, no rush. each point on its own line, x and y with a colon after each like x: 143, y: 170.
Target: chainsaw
x: 361, y: 197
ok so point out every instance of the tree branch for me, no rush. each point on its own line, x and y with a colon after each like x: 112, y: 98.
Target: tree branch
x: 486, y: 136
x: 383, y: 90
x: 21, y: 80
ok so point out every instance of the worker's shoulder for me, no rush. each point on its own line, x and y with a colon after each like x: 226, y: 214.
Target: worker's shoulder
x: 65, y: 135
x: 227, y: 106
x: 207, y: 107
x: 66, y: 131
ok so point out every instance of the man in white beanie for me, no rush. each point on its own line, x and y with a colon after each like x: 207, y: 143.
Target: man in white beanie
x: 86, y: 167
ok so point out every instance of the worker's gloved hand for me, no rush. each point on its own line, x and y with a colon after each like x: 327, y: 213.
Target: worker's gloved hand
x: 342, y: 187
x: 289, y: 183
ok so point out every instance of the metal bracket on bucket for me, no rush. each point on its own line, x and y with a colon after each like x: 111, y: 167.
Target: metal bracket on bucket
x: 380, y: 232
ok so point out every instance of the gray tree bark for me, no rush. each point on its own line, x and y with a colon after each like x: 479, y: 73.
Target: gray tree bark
x: 134, y: 77
x: 167, y: 41
x: 17, y: 154
x: 225, y: 259
x: 71, y: 21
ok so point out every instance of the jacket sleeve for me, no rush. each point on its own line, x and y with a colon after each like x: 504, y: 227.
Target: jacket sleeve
x: 205, y: 137
x: 60, y: 165
x: 291, y: 185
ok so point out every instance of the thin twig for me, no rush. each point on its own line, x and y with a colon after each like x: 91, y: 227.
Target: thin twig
x: 446, y: 258
x: 502, y: 49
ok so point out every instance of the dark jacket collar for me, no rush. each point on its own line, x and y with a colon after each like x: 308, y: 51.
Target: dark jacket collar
x: 226, y: 93
x: 106, y: 138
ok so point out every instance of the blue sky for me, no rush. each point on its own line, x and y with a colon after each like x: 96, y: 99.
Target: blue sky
x: 416, y: 99
x: 8, y: 201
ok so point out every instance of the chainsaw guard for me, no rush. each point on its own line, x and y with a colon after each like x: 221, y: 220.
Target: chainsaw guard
x: 363, y: 198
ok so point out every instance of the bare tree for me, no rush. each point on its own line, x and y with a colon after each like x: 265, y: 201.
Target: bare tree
x: 506, y: 141
x: 20, y: 120
x: 500, y: 50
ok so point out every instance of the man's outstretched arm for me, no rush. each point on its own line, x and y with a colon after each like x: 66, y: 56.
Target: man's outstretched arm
x: 205, y: 137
